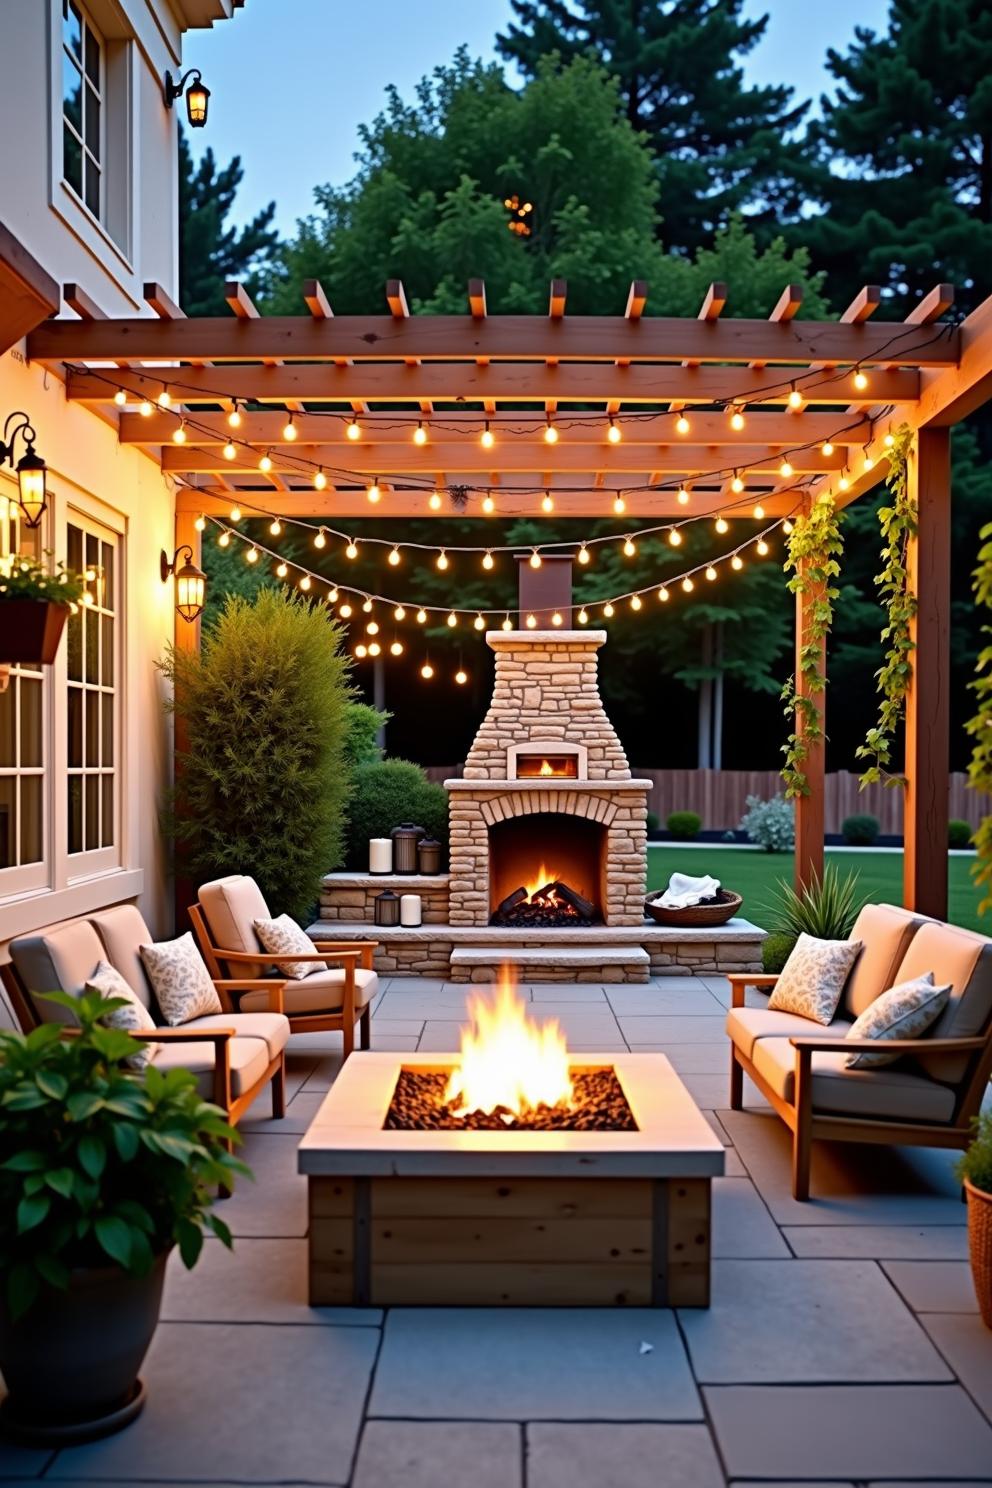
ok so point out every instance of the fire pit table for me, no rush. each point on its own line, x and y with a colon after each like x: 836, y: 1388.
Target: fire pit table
x: 550, y: 1217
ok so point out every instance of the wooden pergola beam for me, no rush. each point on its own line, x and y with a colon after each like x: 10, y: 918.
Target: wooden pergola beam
x: 509, y: 337
x: 319, y: 306
x: 28, y: 293
x: 788, y: 305
x: 454, y: 428
x: 451, y: 382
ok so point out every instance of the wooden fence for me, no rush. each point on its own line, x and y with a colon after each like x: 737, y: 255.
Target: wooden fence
x: 718, y: 796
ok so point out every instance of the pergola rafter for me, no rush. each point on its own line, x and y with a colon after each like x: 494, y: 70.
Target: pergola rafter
x: 820, y: 402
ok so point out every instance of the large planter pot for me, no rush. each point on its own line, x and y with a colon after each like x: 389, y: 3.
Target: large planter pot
x: 71, y: 1364
x: 980, y: 1247
x: 30, y: 630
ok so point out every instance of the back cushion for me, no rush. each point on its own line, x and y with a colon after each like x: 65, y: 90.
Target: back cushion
x: 60, y: 960
x: 122, y: 931
x: 231, y: 906
x: 965, y: 960
x: 885, y: 931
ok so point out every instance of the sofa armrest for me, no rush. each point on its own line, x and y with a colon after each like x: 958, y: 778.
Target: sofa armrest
x: 741, y: 980
x: 267, y: 958
x: 254, y: 984
x: 365, y: 948
x: 813, y: 1044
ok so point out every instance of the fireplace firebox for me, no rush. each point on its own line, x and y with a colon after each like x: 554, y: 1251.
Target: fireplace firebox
x: 547, y: 869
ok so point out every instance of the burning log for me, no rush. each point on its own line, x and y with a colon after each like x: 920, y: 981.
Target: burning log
x: 583, y: 907
x: 551, y: 905
x: 511, y: 901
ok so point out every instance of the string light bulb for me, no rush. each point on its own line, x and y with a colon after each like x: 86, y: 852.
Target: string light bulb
x: 351, y: 551
x: 550, y: 432
x: 319, y: 480
x: 867, y: 462
x: 145, y: 408
x: 234, y: 417
x: 531, y: 622
x: 434, y: 501
x: 224, y: 540
x: 235, y: 514
x: 759, y: 512
x: 230, y: 450
x: 488, y: 505
x: 682, y: 496
x: 452, y: 619
x: 535, y: 559
x: 629, y: 548
x: 394, y: 557
x: 200, y: 524
x: 761, y: 547
x: 252, y: 555
x: 164, y: 398
x: 682, y: 424
x: 305, y: 583
x: 619, y: 505
x: 479, y: 623
x: 722, y: 526
x: 556, y: 618
x: 663, y: 594
x: 795, y: 397
x: 687, y: 585
x: 582, y: 617
x: 614, y: 433
x: 179, y: 432
x: 487, y: 438
x: 442, y: 560
x: 367, y: 605
x: 420, y: 433
x: 345, y: 611
x: 372, y: 628
x: 396, y: 648
x: 635, y: 601
x: 320, y: 541
x: 265, y: 464
x: 785, y: 469
x: 399, y: 613
x: 427, y: 671
x: 547, y: 505
x: 506, y: 623
x: 736, y: 485
x: 120, y: 397
x: 787, y: 527
x: 374, y: 493
x: 675, y: 537
x: 333, y: 596
x: 282, y: 570
x: 860, y: 380
x: 889, y: 441
x: 843, y: 483
x: 737, y: 561
x: 608, y: 610
x: 710, y: 572
x: 275, y: 527
x: 374, y: 648
x: 289, y: 430
x: 354, y: 429
x: 826, y: 448
x: 488, y: 561
x: 583, y: 555
x: 737, y: 420
x: 461, y: 677
x: 361, y: 651
x: 421, y: 617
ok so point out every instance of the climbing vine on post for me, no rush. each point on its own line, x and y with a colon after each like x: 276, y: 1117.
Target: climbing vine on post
x: 898, y: 522
x: 815, y: 546
x: 980, y: 726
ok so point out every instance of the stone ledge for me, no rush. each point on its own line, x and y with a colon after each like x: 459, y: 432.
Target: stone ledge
x: 544, y: 782
x: 563, y: 956
x: 409, y: 881
x: 735, y: 932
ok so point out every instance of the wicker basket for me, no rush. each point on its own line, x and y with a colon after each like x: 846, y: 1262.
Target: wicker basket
x: 696, y: 916
x: 980, y: 1247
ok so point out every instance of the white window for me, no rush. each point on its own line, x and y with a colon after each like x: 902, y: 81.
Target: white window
x: 23, y: 738
x: 83, y: 85
x: 93, y: 691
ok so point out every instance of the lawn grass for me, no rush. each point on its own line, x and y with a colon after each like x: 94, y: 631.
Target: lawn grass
x: 756, y: 876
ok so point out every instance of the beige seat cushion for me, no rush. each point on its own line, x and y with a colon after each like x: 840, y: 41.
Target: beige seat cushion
x: 746, y: 1025
x: 321, y: 993
x: 59, y: 960
x: 965, y: 960
x: 249, y: 1061
x: 231, y: 906
x: 885, y: 931
x: 123, y: 932
x: 892, y: 1093
x: 271, y: 1028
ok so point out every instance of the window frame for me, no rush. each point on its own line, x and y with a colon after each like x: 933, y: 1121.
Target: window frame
x: 100, y: 91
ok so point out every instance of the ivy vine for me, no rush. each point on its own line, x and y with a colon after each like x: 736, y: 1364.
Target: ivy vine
x: 898, y: 522
x: 980, y: 726
x: 815, y: 546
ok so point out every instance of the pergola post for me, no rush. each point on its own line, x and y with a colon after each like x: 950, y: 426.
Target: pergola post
x: 927, y: 704
x: 186, y: 635
x: 809, y: 808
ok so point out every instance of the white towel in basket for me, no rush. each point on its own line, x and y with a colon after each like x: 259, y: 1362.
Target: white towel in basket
x: 683, y: 891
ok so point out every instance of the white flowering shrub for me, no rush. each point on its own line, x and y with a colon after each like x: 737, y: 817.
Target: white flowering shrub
x: 771, y: 824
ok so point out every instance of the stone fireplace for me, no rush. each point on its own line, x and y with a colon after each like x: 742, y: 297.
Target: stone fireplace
x: 547, y: 792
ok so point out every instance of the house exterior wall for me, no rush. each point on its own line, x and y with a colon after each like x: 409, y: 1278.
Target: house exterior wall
x: 117, y: 493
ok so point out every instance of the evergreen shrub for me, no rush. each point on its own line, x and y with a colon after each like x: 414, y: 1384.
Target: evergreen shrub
x: 385, y: 793
x: 959, y: 833
x: 262, y: 777
x: 684, y: 825
x: 860, y: 831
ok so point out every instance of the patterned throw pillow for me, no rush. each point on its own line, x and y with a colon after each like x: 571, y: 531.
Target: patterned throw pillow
x: 134, y: 1017
x: 813, y: 978
x: 181, y: 980
x: 283, y: 936
x: 904, y: 1012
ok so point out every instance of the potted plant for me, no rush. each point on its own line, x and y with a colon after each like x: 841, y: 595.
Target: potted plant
x: 35, y: 603
x: 975, y: 1172
x: 103, y: 1169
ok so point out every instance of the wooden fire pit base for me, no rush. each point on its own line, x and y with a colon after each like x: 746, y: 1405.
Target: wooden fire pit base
x: 509, y: 1218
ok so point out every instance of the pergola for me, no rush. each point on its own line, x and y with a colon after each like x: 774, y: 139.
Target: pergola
x: 732, y: 413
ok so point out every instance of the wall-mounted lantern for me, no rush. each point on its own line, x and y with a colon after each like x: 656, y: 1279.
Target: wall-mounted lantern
x: 191, y: 583
x: 197, y: 95
x: 31, y: 479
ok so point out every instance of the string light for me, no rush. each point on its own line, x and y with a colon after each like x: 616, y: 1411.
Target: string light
x: 675, y: 537
x: 320, y: 541
x: 531, y: 622
x: 889, y: 441
x: 179, y: 433
x: 582, y: 617
x: 860, y: 380
x: 635, y: 601
x: 737, y: 561
x: 372, y: 628
x: 375, y: 649
x: 736, y: 485
x: 868, y: 462
x: 319, y: 480
x: 434, y: 501
x: 663, y: 594
x: 488, y: 561
x: 145, y: 408
x: 305, y: 583
x: 608, y: 611
x: 396, y: 649
x: 488, y: 505
x: 547, y: 505
x: 265, y: 464
x: 394, y: 557
x: 682, y: 425
x: 614, y: 433
x: 421, y: 617
x: 420, y: 433
x: 795, y: 397
x: 361, y: 651
x: 583, y: 555
x: 486, y: 438
x: 759, y: 512
x: 785, y: 469
x: 722, y: 525
x: 282, y: 570
x: 710, y: 572
x: 843, y: 483
x: 427, y: 671
x: 367, y: 605
x: 535, y: 559
x: 556, y: 618
x: 164, y: 398
x: 224, y: 539
x: 479, y: 623
x: 399, y: 613
x: 762, y: 547
x: 737, y: 420
x: 351, y: 551
x: 289, y: 430
x: 452, y: 619
x: 826, y: 448
x: 687, y: 585
x: 275, y: 527
x: 234, y: 417
x: 200, y: 524
x: 629, y: 548
x: 507, y: 623
x: 252, y: 555
x: 345, y: 611
x: 235, y: 514
x: 550, y: 432
x: 230, y: 450
x: 442, y: 560
x: 461, y: 677
x: 374, y: 493
x: 619, y: 505
x: 332, y: 597
x: 120, y: 397
x: 354, y: 429
x: 682, y: 496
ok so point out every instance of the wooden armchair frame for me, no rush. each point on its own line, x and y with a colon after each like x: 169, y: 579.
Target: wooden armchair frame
x: 349, y: 954
x: 808, y: 1125
x: 233, y: 1107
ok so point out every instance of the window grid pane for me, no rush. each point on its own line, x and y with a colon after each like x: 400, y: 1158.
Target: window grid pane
x: 92, y: 700
x: 82, y: 100
x: 22, y: 732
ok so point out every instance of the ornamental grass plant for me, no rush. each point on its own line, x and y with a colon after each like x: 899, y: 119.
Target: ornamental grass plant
x: 826, y: 909
x: 262, y: 774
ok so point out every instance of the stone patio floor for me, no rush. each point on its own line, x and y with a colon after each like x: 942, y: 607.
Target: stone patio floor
x: 843, y: 1345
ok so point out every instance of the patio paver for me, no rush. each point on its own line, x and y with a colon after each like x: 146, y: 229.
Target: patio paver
x: 621, y: 1457
x: 966, y: 1344
x: 934, y: 1286
x: 941, y: 1242
x: 426, y: 1454
x: 266, y: 1283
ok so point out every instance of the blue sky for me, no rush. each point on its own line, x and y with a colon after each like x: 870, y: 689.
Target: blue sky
x: 292, y: 80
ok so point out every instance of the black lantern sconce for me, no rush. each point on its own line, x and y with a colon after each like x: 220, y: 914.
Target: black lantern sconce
x: 197, y: 95
x: 191, y: 583
x: 31, y: 480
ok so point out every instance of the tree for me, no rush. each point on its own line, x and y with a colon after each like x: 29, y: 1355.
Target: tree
x: 906, y: 153
x: 720, y: 146
x: 209, y: 251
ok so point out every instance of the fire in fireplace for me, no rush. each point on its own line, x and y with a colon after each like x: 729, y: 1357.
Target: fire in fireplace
x: 547, y: 767
x: 546, y: 871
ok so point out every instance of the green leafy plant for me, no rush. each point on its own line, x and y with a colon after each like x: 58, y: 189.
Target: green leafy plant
x: 98, y: 1164
x: 976, y: 1164
x: 653, y: 821
x: 959, y: 833
x: 389, y: 792
x: 898, y: 522
x: 684, y: 825
x: 776, y: 950
x: 826, y: 908
x: 262, y: 779
x: 815, y: 547
x: 770, y: 824
x: 362, y: 725
x: 24, y: 577
x: 860, y: 830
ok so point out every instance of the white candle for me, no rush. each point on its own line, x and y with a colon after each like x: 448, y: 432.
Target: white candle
x: 410, y: 911
x: 380, y: 855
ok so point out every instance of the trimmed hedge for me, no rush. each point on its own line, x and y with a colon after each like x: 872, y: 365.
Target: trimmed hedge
x: 385, y: 793
x: 860, y: 830
x: 684, y: 825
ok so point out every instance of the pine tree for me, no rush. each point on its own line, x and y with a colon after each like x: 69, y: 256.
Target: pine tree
x: 906, y: 151
x: 209, y: 251
x: 720, y: 146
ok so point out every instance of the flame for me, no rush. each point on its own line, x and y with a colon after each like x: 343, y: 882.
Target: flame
x: 541, y: 877
x: 507, y: 1060
x: 546, y: 768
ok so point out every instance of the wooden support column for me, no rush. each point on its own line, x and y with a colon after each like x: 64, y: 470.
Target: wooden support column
x: 186, y: 635
x: 809, y: 808
x: 927, y: 704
